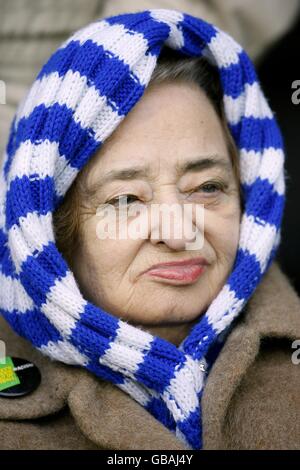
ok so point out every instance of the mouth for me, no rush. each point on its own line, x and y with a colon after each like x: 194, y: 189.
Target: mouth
x: 178, y: 272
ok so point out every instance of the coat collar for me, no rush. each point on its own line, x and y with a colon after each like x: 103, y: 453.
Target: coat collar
x: 272, y: 312
x: 113, y: 420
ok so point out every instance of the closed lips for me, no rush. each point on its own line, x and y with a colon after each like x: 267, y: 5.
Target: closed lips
x: 179, y: 264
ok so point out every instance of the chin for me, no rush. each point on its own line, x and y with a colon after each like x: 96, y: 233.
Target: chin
x: 165, y: 320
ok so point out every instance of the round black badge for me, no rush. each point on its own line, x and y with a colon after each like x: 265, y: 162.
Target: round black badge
x: 18, y: 377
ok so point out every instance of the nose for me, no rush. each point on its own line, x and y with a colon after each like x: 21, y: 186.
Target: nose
x: 178, y: 225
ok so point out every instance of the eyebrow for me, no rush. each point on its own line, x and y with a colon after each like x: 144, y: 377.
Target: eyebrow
x: 192, y: 165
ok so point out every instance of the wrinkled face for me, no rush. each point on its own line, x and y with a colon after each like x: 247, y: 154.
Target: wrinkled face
x: 173, y: 126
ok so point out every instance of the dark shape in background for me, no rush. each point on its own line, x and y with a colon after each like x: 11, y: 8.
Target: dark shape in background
x: 277, y: 71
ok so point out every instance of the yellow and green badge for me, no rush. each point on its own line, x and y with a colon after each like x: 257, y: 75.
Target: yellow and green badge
x: 8, y: 377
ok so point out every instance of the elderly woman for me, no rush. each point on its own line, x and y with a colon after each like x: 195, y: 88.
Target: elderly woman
x: 146, y: 340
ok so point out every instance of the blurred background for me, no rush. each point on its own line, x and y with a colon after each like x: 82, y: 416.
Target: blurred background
x: 277, y: 71
x: 269, y: 30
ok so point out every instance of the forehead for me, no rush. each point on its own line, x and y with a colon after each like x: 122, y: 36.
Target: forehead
x: 171, y: 123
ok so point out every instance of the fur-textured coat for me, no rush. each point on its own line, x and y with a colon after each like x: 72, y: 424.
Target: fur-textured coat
x: 251, y: 399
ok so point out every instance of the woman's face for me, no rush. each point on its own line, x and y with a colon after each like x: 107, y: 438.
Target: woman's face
x: 171, y: 125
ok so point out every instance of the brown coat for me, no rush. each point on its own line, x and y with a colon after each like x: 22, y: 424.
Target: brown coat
x: 251, y: 398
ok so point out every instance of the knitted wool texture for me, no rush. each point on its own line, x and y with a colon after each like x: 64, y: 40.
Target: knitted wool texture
x: 79, y: 97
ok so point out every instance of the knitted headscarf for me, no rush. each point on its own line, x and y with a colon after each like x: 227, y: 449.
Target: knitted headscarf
x: 80, y: 96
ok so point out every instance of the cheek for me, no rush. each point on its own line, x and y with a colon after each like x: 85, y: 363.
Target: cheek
x: 107, y: 257
x: 222, y: 231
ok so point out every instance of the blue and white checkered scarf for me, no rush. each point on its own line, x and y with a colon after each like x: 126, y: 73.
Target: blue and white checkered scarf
x: 78, y: 99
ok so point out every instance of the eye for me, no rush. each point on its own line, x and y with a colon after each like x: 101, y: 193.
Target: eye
x: 210, y: 188
x: 122, y: 199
